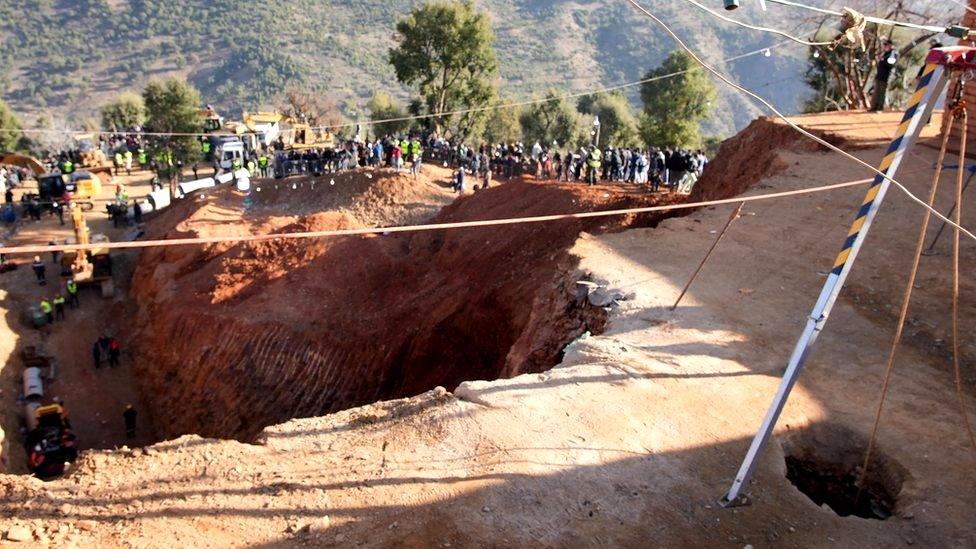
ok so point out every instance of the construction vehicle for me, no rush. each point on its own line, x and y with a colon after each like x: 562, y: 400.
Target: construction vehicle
x: 300, y: 136
x: 48, y: 438
x: 211, y: 120
x: 89, y: 155
x: 90, y: 267
x: 81, y: 186
x: 23, y: 161
x: 227, y: 150
x: 266, y: 126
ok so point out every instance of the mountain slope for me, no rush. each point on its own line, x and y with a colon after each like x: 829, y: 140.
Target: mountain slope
x: 66, y: 57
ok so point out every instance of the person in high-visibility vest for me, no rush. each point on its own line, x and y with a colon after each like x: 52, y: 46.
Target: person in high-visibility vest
x: 235, y: 164
x: 251, y: 167
x: 72, y: 288
x: 143, y: 159
x: 205, y: 148
x: 118, y: 163
x: 416, y: 153
x: 47, y: 310
x: 263, y: 165
x: 127, y: 158
x: 59, y: 307
x: 67, y: 167
x: 593, y: 162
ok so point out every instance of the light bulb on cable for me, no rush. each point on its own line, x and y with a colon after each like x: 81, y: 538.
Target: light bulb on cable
x: 891, y: 60
x: 816, y: 54
x: 767, y: 53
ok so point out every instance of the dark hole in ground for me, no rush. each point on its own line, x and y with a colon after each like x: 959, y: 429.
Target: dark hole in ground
x: 838, y: 489
x: 824, y: 461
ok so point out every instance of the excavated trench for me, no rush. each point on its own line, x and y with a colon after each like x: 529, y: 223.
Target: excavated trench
x: 233, y: 338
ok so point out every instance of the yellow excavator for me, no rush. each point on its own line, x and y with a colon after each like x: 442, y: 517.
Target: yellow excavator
x: 23, y: 161
x: 93, y: 266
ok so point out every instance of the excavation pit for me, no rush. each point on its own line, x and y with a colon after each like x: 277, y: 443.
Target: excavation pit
x: 236, y: 337
x: 824, y: 463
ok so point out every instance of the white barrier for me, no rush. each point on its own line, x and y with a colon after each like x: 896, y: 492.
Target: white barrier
x: 226, y: 177
x: 159, y: 199
x: 145, y: 205
x: 190, y: 186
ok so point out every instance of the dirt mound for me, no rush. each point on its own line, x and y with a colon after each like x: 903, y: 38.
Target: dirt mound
x: 752, y: 155
x: 374, y: 197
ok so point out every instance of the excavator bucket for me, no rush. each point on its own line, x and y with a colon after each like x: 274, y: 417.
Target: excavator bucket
x: 23, y: 161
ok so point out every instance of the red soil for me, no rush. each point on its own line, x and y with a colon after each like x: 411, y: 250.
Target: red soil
x: 237, y: 337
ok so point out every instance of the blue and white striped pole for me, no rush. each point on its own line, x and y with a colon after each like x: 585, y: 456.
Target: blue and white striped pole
x: 930, y: 86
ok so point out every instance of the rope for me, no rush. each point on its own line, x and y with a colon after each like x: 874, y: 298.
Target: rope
x: 853, y: 33
x: 421, y: 116
x: 794, y: 125
x: 753, y: 27
x: 955, y: 280
x: 868, y: 18
x: 906, y: 300
x: 422, y: 227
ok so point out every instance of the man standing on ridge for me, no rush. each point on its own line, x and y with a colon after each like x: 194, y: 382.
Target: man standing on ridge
x: 593, y: 162
x: 887, y: 60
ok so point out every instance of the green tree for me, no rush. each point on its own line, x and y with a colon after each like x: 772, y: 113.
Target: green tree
x: 674, y: 107
x: 553, y: 120
x: 383, y: 107
x: 173, y: 106
x: 618, y: 126
x: 124, y: 113
x: 11, y: 139
x: 444, y: 50
x: 503, y: 126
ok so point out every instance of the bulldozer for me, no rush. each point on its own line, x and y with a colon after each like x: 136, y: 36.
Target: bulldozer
x: 89, y: 267
x: 301, y: 136
x: 89, y: 155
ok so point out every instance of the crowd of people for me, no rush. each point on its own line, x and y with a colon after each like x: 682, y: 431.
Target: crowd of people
x: 656, y: 169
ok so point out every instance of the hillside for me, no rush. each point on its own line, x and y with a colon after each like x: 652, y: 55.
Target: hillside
x: 64, y: 58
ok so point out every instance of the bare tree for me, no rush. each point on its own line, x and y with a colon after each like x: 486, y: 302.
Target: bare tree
x: 311, y: 107
x: 847, y: 77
